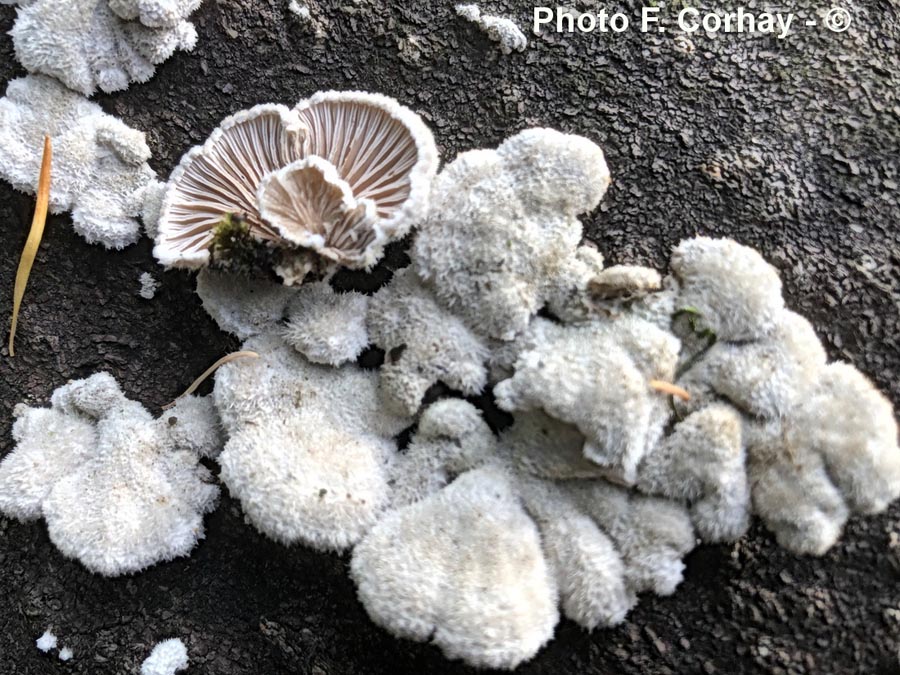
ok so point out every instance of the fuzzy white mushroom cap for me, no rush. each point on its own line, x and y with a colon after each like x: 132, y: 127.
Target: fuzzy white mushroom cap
x: 498, y: 29
x: 589, y: 571
x: 50, y: 444
x: 241, y: 305
x: 325, y: 326
x: 451, y: 438
x: 464, y: 569
x: 736, y: 293
x: 503, y: 225
x: 99, y: 172
x: 792, y: 491
x: 596, y: 376
x: 46, y: 642
x: 652, y: 535
x: 309, y: 446
x: 87, y: 46
x: 167, y: 658
x: 121, y: 491
x: 155, y: 13
x: 702, y: 463
x: 424, y: 344
x: 765, y: 377
x: 852, y: 427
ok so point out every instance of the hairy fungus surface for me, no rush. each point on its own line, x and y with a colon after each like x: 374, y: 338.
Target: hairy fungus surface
x: 503, y: 227
x: 155, y: 13
x: 242, y: 306
x: 814, y: 433
x: 325, y: 326
x: 465, y: 509
x: 309, y: 447
x: 423, y: 343
x: 474, y: 553
x: 166, y: 658
x: 499, y: 29
x: 100, y: 171
x: 94, y: 44
x: 120, y: 490
x: 648, y: 413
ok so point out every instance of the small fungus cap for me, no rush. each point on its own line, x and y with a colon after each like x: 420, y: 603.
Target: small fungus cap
x: 381, y: 149
x: 222, y: 176
x: 365, y: 179
x: 309, y: 205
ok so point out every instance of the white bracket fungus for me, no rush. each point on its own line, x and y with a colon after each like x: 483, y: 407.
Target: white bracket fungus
x: 597, y: 376
x: 821, y: 441
x: 498, y: 29
x: 648, y: 413
x: 503, y: 227
x: 242, y: 306
x: 89, y: 44
x: 521, y: 526
x: 309, y: 446
x: 100, y: 169
x: 167, y: 658
x: 463, y: 568
x: 47, y: 642
x: 734, y: 291
x: 155, y: 13
x: 149, y: 286
x: 339, y: 175
x: 462, y: 513
x: 423, y: 344
x: 702, y: 463
x: 327, y: 327
x: 120, y: 491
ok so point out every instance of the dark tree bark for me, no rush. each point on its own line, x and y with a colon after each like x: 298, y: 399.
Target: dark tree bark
x: 788, y: 145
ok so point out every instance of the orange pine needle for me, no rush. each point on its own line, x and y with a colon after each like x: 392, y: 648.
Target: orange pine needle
x: 29, y: 253
x: 671, y: 389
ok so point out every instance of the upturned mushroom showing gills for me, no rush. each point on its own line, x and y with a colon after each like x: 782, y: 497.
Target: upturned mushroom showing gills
x: 340, y: 175
x: 221, y: 177
x: 310, y: 206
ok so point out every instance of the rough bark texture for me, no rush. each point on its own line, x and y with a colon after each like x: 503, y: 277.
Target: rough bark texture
x: 788, y: 145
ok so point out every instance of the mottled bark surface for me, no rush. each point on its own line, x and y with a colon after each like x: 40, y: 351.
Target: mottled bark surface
x: 789, y: 145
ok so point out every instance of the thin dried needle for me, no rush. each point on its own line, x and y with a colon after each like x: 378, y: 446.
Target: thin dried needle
x: 209, y: 371
x: 671, y: 389
x: 33, y: 242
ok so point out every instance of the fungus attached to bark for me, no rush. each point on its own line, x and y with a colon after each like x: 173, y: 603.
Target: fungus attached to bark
x: 95, y: 44
x: 310, y: 206
x: 100, y: 171
x: 222, y: 177
x: 167, y: 658
x: 341, y: 175
x: 120, y: 490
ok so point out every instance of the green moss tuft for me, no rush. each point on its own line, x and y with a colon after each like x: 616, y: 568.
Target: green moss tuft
x: 234, y: 249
